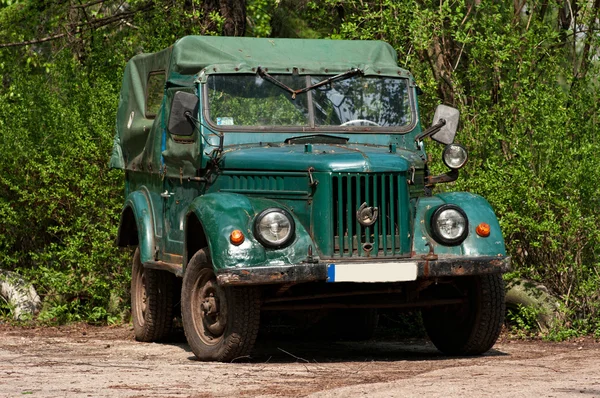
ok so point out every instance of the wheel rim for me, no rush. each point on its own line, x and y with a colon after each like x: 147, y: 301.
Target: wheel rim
x: 209, y: 308
x: 140, y: 296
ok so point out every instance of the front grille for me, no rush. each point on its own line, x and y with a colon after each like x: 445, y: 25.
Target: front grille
x: 388, y: 237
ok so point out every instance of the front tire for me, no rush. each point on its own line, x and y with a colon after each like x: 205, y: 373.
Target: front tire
x: 152, y: 300
x: 220, y: 323
x: 471, y: 328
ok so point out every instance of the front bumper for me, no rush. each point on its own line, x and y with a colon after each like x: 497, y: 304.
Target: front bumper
x: 441, y: 267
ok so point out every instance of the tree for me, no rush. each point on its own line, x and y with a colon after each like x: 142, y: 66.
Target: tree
x: 231, y: 13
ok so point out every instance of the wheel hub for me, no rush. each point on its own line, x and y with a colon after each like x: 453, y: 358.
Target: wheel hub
x: 210, y: 306
x: 144, y: 296
x: 211, y: 299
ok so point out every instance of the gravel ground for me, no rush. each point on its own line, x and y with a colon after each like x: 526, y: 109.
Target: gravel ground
x: 86, y: 361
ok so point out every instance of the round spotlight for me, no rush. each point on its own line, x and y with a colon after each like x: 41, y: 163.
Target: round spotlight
x: 455, y: 156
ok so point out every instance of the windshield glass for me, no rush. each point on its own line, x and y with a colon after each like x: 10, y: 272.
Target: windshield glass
x: 362, y: 101
x: 243, y: 100
x: 250, y: 100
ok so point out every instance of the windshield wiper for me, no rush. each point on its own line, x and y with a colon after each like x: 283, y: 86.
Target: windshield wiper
x: 262, y: 73
x: 317, y: 139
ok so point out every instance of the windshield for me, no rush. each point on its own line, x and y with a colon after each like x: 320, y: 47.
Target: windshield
x: 242, y: 100
x: 362, y: 101
x: 252, y: 101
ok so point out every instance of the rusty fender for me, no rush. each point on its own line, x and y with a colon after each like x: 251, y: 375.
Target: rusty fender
x: 442, y: 267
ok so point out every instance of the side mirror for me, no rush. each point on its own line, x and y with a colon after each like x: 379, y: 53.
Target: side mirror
x: 447, y: 132
x: 184, y: 109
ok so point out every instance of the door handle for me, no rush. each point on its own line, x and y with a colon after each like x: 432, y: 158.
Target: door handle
x: 166, y: 194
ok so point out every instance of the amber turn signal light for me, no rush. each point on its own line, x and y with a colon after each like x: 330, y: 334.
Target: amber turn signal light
x: 483, y: 230
x: 236, y: 237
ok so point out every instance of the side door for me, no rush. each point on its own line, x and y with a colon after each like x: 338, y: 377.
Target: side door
x: 181, y: 162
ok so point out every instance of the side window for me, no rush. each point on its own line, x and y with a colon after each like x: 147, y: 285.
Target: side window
x: 154, y: 93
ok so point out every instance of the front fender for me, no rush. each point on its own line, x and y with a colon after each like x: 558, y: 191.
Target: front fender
x: 478, y: 210
x: 139, y: 205
x: 221, y: 213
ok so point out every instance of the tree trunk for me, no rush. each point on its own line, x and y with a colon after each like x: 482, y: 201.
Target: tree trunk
x: 232, y: 11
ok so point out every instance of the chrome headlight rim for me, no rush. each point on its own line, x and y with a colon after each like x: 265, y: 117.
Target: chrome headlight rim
x: 270, y: 244
x: 448, y: 148
x: 436, y: 233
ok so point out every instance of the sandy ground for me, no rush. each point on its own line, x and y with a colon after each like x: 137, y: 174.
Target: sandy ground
x: 86, y: 361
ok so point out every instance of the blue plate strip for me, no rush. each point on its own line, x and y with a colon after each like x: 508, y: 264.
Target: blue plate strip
x: 330, y: 272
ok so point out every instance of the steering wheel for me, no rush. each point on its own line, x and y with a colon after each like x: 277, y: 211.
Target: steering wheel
x: 359, y: 122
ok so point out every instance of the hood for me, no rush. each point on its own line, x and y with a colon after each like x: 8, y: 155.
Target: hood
x: 321, y: 157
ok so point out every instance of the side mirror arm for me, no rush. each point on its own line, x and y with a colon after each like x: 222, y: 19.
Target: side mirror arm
x: 197, y: 123
x: 431, y: 130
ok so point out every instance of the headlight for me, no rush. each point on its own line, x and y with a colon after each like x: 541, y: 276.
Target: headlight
x: 274, y: 228
x: 449, y: 225
x: 455, y: 156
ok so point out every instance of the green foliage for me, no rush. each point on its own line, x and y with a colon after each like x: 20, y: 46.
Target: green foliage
x: 522, y: 320
x: 259, y: 15
x: 59, y: 201
x: 6, y: 309
x: 76, y: 311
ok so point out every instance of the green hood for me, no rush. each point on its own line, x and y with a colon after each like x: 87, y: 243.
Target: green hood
x: 323, y: 158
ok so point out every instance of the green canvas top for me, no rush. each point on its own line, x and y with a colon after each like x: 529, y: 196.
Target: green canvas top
x: 211, y: 54
x: 193, y: 58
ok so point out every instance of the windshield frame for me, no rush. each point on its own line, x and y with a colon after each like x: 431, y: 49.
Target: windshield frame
x: 310, y: 126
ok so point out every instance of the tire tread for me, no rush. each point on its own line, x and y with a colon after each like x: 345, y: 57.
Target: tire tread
x: 160, y: 300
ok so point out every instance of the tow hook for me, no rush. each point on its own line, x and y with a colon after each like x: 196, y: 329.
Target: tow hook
x: 431, y: 256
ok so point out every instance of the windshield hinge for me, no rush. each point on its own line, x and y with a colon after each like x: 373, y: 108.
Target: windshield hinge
x: 311, y: 180
x: 411, y: 180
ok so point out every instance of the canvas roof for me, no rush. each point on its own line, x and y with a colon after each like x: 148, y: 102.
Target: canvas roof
x: 211, y: 54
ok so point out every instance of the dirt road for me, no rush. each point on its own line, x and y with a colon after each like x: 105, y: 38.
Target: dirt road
x: 85, y: 361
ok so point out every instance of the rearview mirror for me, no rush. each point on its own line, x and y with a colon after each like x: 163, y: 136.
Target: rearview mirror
x: 184, y: 110
x: 448, y: 131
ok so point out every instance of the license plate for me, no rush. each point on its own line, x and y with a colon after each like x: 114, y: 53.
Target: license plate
x: 372, y: 272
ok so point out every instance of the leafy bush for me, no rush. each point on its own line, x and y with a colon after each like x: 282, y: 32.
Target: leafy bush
x: 60, y: 203
x: 523, y: 320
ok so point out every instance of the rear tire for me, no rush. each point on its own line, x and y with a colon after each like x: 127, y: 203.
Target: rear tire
x: 471, y: 328
x: 220, y: 323
x: 152, y: 300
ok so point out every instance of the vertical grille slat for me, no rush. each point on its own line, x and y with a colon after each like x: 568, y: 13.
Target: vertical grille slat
x: 392, y: 213
x: 357, y: 226
x: 340, y: 213
x: 376, y: 228
x: 388, y: 236
x: 383, y: 218
x: 348, y: 206
x: 369, y: 198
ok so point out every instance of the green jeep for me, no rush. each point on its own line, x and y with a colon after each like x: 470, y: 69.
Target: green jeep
x: 282, y: 175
